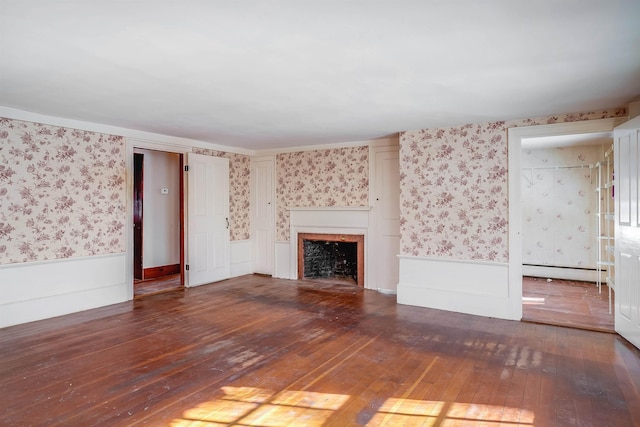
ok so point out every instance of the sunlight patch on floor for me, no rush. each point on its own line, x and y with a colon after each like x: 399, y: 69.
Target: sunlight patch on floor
x: 401, y: 412
x: 249, y: 406
x: 532, y: 300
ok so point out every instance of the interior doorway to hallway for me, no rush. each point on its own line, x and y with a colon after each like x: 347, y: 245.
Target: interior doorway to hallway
x: 158, y: 222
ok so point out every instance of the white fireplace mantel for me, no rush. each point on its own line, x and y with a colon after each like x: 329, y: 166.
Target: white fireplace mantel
x: 328, y: 220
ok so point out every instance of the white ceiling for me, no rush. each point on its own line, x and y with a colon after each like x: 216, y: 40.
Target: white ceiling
x: 262, y: 74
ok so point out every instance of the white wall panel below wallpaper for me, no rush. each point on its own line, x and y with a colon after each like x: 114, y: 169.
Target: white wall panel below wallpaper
x: 479, y: 288
x: 39, y: 290
x: 241, y: 258
x: 283, y: 260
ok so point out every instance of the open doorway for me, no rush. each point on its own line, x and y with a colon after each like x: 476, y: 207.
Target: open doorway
x: 158, y: 253
x: 564, y: 261
x: 563, y: 228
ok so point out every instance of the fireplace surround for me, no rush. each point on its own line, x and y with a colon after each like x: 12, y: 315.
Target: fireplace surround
x: 340, y: 221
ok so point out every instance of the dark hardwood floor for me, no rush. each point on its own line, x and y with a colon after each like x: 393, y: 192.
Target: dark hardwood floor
x: 257, y: 351
x: 568, y: 303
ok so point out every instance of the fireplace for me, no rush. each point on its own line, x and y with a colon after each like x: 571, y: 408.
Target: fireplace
x: 331, y: 256
x: 333, y: 223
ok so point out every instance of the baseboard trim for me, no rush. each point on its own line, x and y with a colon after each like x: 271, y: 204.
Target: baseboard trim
x: 160, y: 271
x: 561, y: 273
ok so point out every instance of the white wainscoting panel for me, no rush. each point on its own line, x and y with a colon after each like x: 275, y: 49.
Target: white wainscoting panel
x: 479, y: 288
x: 282, y: 261
x: 40, y: 290
x: 241, y: 258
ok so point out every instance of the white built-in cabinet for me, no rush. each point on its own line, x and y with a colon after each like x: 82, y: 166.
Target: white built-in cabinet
x: 605, y: 228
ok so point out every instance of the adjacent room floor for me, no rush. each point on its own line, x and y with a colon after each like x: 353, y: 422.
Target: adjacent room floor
x: 157, y: 285
x: 258, y: 351
x: 569, y: 303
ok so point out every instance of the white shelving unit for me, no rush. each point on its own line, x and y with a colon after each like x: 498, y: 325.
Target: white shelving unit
x: 605, y: 223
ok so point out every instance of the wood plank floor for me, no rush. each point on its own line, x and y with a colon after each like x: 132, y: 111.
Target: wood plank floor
x: 257, y: 351
x: 568, y: 303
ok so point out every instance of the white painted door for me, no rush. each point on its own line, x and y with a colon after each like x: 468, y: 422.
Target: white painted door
x: 386, y: 218
x: 627, y: 230
x: 262, y: 217
x: 208, y: 233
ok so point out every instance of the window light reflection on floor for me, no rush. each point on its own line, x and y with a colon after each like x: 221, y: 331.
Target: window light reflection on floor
x: 248, y: 406
x: 434, y: 413
x: 532, y: 300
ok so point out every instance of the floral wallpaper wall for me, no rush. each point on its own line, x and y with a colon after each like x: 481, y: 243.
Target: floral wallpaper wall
x: 320, y: 178
x: 453, y: 188
x: 239, y: 191
x: 62, y: 192
x: 558, y: 206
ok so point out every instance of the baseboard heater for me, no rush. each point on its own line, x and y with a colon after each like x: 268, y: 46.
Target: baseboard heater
x: 559, y: 266
x: 586, y: 274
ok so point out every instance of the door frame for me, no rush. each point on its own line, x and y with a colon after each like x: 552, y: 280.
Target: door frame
x: 133, y: 143
x: 515, y: 136
x: 138, y: 217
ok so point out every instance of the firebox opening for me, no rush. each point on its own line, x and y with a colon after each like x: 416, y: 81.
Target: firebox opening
x: 334, y: 256
x: 325, y: 259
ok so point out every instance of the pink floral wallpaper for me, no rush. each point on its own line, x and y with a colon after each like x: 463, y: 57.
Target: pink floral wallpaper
x: 239, y: 191
x: 558, y: 205
x: 453, y: 188
x: 62, y: 192
x: 320, y: 178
